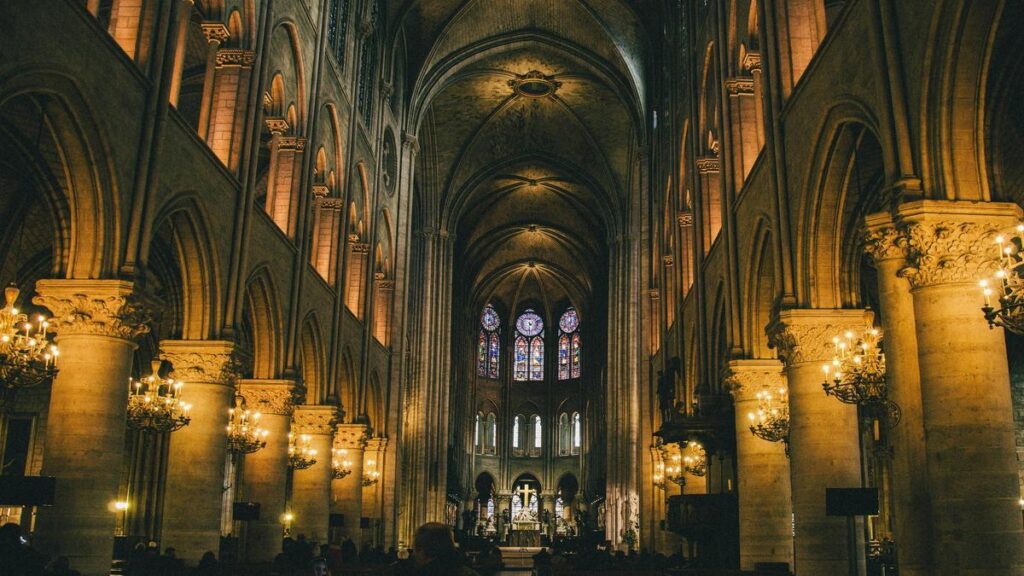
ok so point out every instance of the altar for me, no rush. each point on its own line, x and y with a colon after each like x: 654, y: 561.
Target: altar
x: 525, y: 538
x: 525, y: 526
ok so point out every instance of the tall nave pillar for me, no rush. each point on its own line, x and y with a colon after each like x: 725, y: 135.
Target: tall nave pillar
x: 762, y: 469
x: 311, y: 488
x: 198, y: 452
x: 266, y: 471
x: 227, y: 105
x: 824, y: 443
x: 347, y: 492
x: 96, y: 323
x: 965, y: 388
x: 911, y: 505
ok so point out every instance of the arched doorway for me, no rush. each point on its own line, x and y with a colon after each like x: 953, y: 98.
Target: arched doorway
x: 525, y: 512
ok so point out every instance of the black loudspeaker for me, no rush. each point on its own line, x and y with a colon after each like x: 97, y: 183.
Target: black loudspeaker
x: 851, y: 501
x: 246, y: 511
x: 27, y: 490
x: 336, y: 521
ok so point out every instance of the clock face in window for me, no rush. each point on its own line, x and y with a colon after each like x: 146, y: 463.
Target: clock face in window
x: 529, y: 324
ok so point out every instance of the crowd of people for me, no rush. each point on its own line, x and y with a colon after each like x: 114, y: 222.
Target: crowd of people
x: 434, y: 553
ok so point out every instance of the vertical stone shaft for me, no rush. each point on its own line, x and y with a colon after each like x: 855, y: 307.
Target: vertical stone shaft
x: 96, y: 323
x: 311, y: 487
x: 824, y: 439
x: 198, y: 452
x: 347, y: 492
x: 266, y: 471
x: 910, y: 500
x: 762, y: 469
x: 965, y: 389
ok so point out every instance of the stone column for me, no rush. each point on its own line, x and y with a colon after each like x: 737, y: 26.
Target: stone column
x: 311, y: 488
x: 762, y: 469
x: 229, y: 108
x: 503, y: 502
x: 965, y: 388
x: 266, y: 471
x: 548, y: 505
x: 347, y: 492
x: 96, y: 323
x: 373, y: 461
x: 824, y: 443
x: 196, y: 459
x: 216, y: 34
x: 911, y: 503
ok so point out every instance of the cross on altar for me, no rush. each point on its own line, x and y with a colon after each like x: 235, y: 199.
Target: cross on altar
x: 525, y: 491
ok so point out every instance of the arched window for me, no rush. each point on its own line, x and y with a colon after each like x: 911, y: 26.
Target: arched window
x: 564, y: 434
x: 576, y: 433
x: 368, y: 66
x: 569, y: 345
x: 517, y: 429
x: 476, y: 433
x: 529, y: 347
x: 538, y: 435
x: 337, y: 29
x: 489, y: 344
x: 491, y: 443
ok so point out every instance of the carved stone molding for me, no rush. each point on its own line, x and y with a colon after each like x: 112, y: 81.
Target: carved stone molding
x: 685, y: 219
x: 654, y: 293
x: 320, y: 191
x: 100, y: 307
x: 359, y: 247
x: 215, y: 32
x: 745, y: 378
x: 805, y: 335
x: 235, y: 57
x: 385, y: 284
x: 334, y: 204
x: 206, y: 361
x: 376, y: 446
x: 752, y: 61
x: 296, y: 143
x: 411, y: 141
x: 740, y: 85
x: 350, y: 436
x: 314, y: 419
x: 269, y: 396
x: 668, y: 260
x: 708, y: 165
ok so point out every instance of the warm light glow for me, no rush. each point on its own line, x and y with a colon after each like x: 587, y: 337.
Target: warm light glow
x: 121, y: 505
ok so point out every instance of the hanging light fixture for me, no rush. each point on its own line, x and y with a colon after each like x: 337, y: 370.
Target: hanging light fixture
x: 695, y: 459
x: 1008, y: 284
x: 245, y: 435
x: 154, y: 403
x: 27, y: 357
x: 856, y: 374
x: 372, y: 476
x: 658, y: 478
x: 771, y: 421
x: 341, y: 466
x: 300, y: 454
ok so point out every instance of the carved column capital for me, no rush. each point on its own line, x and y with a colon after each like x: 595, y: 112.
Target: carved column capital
x: 314, y: 419
x: 276, y: 126
x: 208, y: 361
x: 376, y: 445
x: 805, y: 335
x: 296, y: 143
x: 707, y: 165
x: 882, y: 240
x: 740, y: 85
x: 269, y: 396
x: 215, y: 32
x: 752, y: 61
x: 411, y: 142
x: 350, y: 436
x: 952, y: 242
x: 668, y: 260
x: 320, y: 191
x: 100, y: 307
x: 685, y: 219
x: 745, y: 378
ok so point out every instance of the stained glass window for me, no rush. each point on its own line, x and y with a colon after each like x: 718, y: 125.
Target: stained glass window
x: 537, y: 432
x: 576, y: 436
x: 522, y: 356
x: 515, y: 431
x: 481, y: 355
x: 569, y: 345
x: 489, y: 347
x: 529, y: 353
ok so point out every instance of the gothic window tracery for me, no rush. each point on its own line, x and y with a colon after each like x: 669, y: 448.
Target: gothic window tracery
x: 529, y: 347
x: 488, y: 344
x: 569, y: 345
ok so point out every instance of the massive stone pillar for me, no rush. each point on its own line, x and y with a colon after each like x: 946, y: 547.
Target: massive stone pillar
x: 347, y: 492
x: 912, y: 525
x: 762, y: 469
x: 965, y: 389
x: 96, y: 322
x: 373, y: 475
x: 198, y: 452
x: 228, y: 107
x: 311, y: 487
x: 824, y: 439
x: 266, y: 471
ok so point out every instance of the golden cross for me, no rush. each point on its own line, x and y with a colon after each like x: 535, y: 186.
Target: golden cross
x: 525, y: 491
